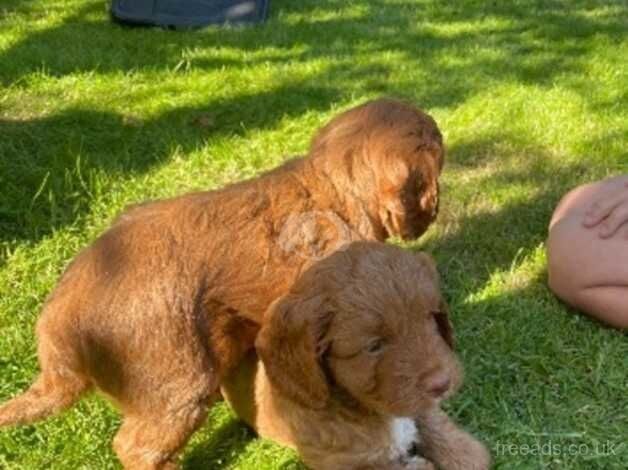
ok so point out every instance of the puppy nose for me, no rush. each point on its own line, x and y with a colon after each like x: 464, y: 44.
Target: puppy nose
x: 439, y: 385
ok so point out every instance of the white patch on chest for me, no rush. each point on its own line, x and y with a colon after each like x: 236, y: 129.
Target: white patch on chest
x: 403, y: 433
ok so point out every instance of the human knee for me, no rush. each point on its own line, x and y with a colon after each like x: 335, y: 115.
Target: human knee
x: 564, y: 277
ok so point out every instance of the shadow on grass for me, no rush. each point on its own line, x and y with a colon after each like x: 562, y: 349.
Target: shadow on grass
x: 222, y: 447
x: 56, y: 152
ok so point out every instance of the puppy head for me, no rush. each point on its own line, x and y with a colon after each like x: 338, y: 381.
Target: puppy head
x: 367, y: 323
x: 392, y: 153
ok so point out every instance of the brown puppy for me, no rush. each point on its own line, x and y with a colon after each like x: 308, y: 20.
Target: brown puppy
x: 167, y: 300
x: 354, y: 357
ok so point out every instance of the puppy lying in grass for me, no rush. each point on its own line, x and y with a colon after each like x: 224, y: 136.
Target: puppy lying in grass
x: 356, y: 358
x: 161, y: 306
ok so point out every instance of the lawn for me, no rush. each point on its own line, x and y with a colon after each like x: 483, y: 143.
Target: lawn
x: 531, y: 97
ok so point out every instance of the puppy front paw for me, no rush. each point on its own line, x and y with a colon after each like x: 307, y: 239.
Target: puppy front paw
x: 471, y: 454
x: 418, y: 463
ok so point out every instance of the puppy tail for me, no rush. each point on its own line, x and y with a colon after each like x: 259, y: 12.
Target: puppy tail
x: 50, y: 394
x: 60, y: 382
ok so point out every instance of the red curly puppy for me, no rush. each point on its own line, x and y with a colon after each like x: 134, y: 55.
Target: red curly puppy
x: 356, y: 359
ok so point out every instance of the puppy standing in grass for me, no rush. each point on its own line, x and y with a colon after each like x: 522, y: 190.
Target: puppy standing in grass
x: 161, y: 306
x: 355, y: 357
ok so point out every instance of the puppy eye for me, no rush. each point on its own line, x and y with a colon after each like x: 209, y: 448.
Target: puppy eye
x: 375, y: 346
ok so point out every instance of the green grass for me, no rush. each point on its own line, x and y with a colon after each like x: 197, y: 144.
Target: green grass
x: 531, y: 97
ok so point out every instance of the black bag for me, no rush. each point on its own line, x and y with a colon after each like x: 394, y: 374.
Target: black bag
x: 188, y: 13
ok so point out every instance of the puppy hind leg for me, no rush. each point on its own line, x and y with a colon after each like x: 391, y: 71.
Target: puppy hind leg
x: 163, y: 411
x: 152, y: 442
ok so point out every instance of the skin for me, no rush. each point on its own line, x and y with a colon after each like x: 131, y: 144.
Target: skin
x: 588, y: 250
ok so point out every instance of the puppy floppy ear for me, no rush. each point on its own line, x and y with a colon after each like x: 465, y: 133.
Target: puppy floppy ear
x: 395, y: 196
x: 409, y: 191
x: 291, y: 343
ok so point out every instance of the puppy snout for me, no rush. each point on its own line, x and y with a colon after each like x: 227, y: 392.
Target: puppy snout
x: 439, y: 385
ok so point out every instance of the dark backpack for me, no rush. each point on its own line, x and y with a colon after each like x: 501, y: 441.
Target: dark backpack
x: 188, y: 13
